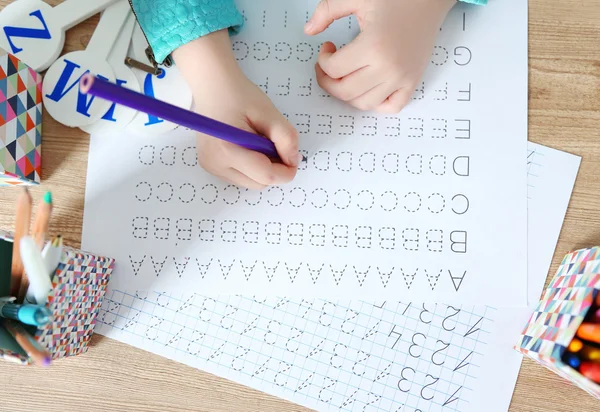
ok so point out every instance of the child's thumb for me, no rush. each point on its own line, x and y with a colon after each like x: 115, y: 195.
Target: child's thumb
x: 272, y: 124
x: 327, y: 12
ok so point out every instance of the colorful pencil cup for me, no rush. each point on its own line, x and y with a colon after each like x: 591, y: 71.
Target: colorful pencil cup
x: 78, y: 288
x: 564, y: 305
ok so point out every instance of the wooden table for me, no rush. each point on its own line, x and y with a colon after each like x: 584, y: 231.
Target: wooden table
x: 564, y: 113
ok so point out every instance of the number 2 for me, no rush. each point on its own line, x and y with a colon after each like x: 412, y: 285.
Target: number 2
x: 427, y: 386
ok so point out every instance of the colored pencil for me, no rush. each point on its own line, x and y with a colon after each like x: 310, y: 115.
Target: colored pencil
x: 42, y: 220
x: 28, y: 343
x: 22, y: 223
x: 138, y: 101
x: 39, y: 230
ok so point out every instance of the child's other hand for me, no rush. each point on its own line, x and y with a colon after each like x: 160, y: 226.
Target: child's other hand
x: 380, y: 69
x: 222, y: 92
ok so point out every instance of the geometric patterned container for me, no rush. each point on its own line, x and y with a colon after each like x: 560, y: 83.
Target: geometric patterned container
x: 558, y: 315
x: 78, y: 288
x: 20, y: 122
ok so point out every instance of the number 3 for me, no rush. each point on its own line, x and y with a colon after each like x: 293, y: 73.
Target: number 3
x: 404, y: 378
x: 415, y: 344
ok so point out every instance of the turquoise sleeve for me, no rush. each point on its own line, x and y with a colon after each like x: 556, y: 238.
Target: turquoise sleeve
x: 480, y: 2
x: 169, y: 24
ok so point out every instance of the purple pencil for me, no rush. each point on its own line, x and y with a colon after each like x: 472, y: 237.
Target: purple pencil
x: 120, y: 95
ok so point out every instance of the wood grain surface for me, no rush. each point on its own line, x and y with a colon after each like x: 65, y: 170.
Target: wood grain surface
x: 564, y: 113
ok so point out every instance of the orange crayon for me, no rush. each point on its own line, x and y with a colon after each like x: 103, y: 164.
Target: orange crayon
x: 589, y: 331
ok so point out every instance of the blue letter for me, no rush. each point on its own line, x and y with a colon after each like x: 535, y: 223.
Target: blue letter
x: 111, y: 112
x: 61, y: 89
x: 149, y: 91
x: 10, y: 32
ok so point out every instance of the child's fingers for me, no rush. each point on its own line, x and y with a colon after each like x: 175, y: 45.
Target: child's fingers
x: 342, y: 62
x: 350, y: 87
x: 269, y: 122
x: 235, y: 177
x: 241, y: 166
x: 397, y: 101
x: 374, y: 97
x: 261, y: 170
x: 259, y: 167
x: 327, y: 12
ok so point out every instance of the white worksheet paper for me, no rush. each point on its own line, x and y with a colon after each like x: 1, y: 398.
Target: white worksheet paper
x: 420, y: 206
x: 354, y: 355
x: 551, y: 175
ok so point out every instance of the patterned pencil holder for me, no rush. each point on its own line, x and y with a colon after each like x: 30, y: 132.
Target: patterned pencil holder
x: 20, y: 122
x: 78, y: 288
x: 560, y: 312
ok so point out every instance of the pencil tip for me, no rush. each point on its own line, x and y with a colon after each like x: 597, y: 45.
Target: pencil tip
x: 25, y: 194
x: 48, y: 198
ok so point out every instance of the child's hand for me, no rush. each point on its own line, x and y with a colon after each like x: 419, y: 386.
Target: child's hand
x: 222, y: 92
x: 238, y: 102
x: 381, y: 68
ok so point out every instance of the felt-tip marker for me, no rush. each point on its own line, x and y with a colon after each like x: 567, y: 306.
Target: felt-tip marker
x: 35, y: 315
